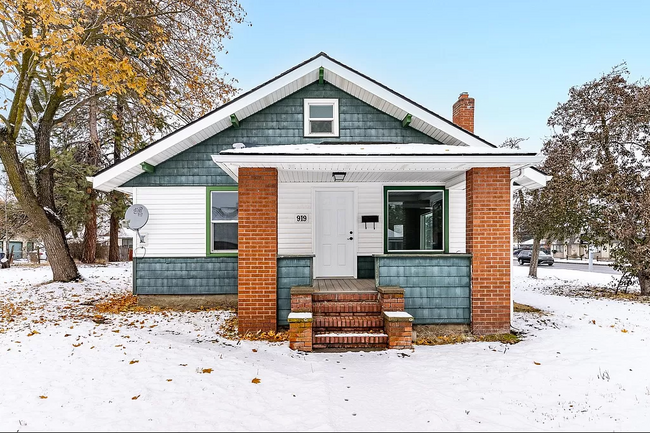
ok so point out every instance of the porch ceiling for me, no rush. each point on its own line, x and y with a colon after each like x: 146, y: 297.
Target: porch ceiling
x: 364, y: 175
x: 373, y: 163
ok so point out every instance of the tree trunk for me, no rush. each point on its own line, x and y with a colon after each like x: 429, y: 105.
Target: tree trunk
x: 45, y: 222
x: 89, y: 254
x: 93, y: 155
x: 644, y: 282
x: 116, y: 198
x: 534, y: 256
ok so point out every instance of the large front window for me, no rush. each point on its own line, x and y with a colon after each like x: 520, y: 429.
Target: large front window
x: 415, y: 220
x: 224, y: 209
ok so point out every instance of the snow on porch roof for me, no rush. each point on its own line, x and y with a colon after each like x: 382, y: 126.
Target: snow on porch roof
x: 334, y: 72
x: 380, y: 162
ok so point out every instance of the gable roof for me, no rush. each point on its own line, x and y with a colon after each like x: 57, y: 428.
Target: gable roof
x: 336, y: 73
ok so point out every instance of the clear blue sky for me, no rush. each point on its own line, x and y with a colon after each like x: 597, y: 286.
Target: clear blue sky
x: 517, y: 58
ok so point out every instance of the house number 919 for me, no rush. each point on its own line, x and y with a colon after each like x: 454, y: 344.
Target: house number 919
x: 301, y: 218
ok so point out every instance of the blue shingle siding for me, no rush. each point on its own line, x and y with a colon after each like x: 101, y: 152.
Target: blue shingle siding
x: 292, y: 271
x: 280, y: 123
x: 186, y: 276
x: 436, y: 288
x: 365, y: 267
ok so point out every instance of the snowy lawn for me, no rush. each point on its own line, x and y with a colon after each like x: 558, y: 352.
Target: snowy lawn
x: 584, y: 366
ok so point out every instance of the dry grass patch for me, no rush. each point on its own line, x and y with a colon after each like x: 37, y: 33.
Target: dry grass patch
x: 123, y: 304
x: 523, y: 308
x: 467, y: 338
x: 230, y: 330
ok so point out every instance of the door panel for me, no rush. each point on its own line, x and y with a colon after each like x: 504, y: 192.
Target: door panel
x: 334, y: 220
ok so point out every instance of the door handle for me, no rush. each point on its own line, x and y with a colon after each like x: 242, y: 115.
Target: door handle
x: 350, y: 238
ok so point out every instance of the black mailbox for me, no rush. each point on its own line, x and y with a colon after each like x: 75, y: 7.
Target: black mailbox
x: 365, y: 219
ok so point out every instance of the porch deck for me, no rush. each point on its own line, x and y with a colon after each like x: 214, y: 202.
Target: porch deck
x: 344, y: 285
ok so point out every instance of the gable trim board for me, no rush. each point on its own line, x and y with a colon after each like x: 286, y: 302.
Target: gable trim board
x: 336, y: 73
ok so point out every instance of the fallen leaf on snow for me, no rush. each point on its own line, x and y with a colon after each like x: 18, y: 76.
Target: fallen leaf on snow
x: 207, y: 370
x: 624, y: 330
x: 135, y: 397
x: 169, y: 380
x: 537, y: 363
x: 43, y: 397
x: 134, y: 361
x: 256, y: 380
x: 77, y: 345
x: 254, y: 350
x: 34, y: 332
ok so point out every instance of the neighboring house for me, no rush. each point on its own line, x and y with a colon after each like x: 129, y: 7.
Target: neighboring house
x: 572, y: 248
x: 20, y: 246
x: 325, y: 180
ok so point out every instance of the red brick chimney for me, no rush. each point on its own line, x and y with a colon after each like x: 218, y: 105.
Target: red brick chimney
x: 463, y: 112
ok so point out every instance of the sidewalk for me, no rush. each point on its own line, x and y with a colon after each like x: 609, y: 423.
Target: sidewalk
x: 585, y: 261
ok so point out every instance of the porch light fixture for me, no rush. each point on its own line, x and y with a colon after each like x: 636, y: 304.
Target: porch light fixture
x: 338, y: 176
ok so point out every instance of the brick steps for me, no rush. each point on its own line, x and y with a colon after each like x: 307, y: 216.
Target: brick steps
x: 350, y: 340
x: 344, y: 296
x: 348, y: 320
x: 346, y: 307
x: 348, y: 324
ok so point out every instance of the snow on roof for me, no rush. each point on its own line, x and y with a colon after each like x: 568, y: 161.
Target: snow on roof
x: 373, y: 149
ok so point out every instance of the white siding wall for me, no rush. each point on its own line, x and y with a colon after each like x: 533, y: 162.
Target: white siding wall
x: 297, y: 238
x: 457, y: 211
x: 177, y: 221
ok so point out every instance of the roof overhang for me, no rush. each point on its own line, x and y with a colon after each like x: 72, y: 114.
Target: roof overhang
x: 376, y: 163
x: 334, y: 72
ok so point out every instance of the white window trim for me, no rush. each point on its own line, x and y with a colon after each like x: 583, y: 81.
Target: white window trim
x: 212, y: 222
x: 335, y: 119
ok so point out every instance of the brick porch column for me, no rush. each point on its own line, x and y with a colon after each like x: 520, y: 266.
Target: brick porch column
x: 258, y: 249
x: 488, y: 240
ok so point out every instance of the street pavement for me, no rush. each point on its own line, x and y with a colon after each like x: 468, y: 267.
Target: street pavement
x: 600, y: 269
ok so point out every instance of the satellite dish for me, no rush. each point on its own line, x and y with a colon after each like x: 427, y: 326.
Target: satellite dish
x: 136, y: 216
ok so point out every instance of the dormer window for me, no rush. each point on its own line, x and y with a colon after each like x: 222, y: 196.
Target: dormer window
x: 321, y: 117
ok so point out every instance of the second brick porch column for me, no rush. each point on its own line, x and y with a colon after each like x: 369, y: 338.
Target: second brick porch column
x: 488, y: 240
x: 258, y: 249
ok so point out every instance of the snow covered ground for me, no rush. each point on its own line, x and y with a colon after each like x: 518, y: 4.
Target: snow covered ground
x: 584, y: 366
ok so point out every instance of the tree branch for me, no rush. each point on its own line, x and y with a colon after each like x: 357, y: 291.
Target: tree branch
x: 78, y: 105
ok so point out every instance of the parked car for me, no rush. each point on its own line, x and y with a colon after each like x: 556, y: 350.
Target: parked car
x: 543, y: 259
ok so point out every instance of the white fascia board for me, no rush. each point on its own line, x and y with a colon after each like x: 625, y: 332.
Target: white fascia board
x: 403, y: 104
x: 529, y: 178
x: 101, y: 180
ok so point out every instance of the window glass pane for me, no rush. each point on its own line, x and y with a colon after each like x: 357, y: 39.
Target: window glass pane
x: 321, y: 126
x: 224, y: 205
x: 415, y: 220
x: 224, y: 236
x: 321, y: 111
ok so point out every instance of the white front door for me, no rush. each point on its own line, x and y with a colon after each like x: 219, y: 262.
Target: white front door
x: 334, y: 219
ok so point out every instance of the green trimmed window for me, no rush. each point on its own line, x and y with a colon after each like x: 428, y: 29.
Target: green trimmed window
x: 416, y: 219
x: 223, y: 220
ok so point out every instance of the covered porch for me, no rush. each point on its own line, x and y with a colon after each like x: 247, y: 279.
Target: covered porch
x: 457, y: 273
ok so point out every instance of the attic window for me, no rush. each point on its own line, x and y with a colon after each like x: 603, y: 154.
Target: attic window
x: 321, y: 117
